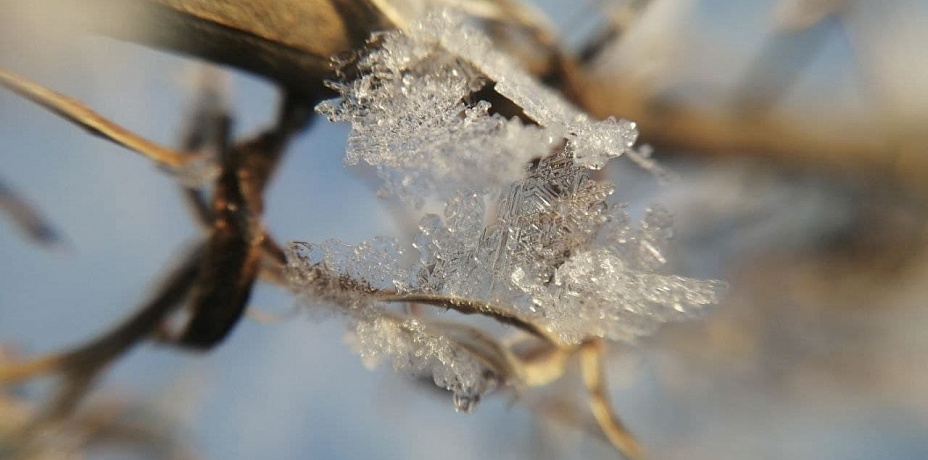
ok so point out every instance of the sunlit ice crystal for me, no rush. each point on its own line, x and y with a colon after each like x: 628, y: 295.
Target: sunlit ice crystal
x: 411, y: 119
x: 593, y: 143
x: 643, y: 246
x: 525, y: 226
x: 412, y: 348
x: 449, y: 248
x: 595, y: 294
x: 377, y: 261
x: 556, y: 209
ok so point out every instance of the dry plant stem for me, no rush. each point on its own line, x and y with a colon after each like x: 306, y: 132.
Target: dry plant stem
x: 230, y: 263
x: 461, y: 305
x: 17, y: 372
x: 260, y: 156
x: 778, y: 65
x: 591, y: 355
x: 471, y: 307
x: 79, y: 367
x: 621, y: 19
x: 486, y: 350
x: 201, y: 133
x: 237, y: 241
x: 77, y: 113
x: 287, y: 41
x: 26, y: 217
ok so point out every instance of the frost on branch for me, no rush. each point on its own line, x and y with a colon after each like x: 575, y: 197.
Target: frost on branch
x: 412, y: 120
x: 559, y: 251
x: 525, y: 230
x: 415, y: 115
x: 415, y: 350
x: 333, y: 272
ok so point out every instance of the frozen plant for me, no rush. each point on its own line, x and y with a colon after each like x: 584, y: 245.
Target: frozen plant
x: 527, y: 236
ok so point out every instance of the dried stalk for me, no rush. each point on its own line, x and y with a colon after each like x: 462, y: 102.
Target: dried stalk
x: 27, y: 218
x: 79, y: 367
x: 79, y: 114
x: 230, y: 263
x: 591, y: 355
x: 287, y: 41
x: 471, y: 307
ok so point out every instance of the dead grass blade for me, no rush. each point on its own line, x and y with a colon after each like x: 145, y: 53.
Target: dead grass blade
x: 77, y: 113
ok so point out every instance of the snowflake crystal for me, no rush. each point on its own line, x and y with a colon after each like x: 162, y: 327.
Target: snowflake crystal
x: 525, y: 226
x: 414, y: 350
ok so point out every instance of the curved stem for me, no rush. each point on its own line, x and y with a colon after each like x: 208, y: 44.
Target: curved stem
x: 471, y: 307
x: 613, y: 428
x: 80, y: 366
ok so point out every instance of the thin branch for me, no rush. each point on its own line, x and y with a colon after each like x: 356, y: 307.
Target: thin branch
x: 80, y: 366
x: 480, y: 345
x: 75, y: 112
x: 470, y: 307
x: 257, y: 159
x: 287, y: 41
x: 229, y: 265
x: 621, y: 19
x: 334, y: 287
x: 778, y: 65
x: 200, y: 134
x: 25, y: 370
x: 612, y: 427
x: 26, y: 217
x: 237, y: 241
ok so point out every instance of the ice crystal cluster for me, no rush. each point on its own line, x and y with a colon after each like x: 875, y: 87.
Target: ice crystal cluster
x: 525, y: 227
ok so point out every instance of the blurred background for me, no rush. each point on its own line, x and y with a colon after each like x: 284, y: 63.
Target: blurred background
x: 795, y: 130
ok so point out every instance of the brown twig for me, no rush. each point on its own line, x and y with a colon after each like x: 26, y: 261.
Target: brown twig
x: 79, y: 367
x: 287, y: 41
x: 591, y: 357
x: 230, y: 263
x: 471, y: 307
x: 79, y: 114
x: 26, y: 217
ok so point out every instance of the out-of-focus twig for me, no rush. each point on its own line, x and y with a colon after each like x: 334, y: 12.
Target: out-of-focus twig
x: 612, y: 427
x: 26, y: 217
x: 620, y: 19
x: 824, y: 144
x: 288, y: 41
x: 79, y: 114
x: 79, y: 367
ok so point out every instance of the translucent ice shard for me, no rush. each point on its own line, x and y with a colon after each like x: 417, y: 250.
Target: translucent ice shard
x: 595, y: 294
x: 413, y: 349
x: 412, y: 118
x: 416, y: 116
x: 590, y: 142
